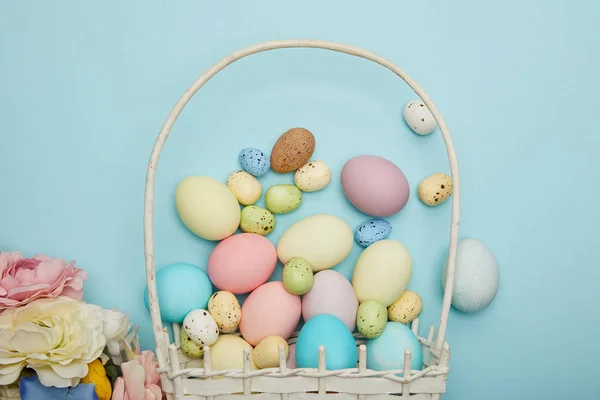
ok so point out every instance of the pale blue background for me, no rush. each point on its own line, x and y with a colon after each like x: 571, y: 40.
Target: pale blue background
x: 85, y: 87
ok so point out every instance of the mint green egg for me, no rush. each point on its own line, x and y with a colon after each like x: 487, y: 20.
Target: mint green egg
x: 283, y: 198
x: 188, y: 346
x: 297, y: 276
x: 257, y: 220
x: 371, y: 318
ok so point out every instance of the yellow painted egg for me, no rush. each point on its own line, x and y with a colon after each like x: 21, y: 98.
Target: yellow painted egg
x: 266, y: 353
x: 382, y: 272
x: 406, y: 308
x: 207, y: 207
x: 323, y: 240
x: 435, y: 189
x: 313, y: 176
x: 246, y: 188
x: 228, y: 353
x: 225, y: 309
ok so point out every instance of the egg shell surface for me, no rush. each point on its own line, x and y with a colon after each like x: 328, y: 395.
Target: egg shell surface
x: 254, y: 161
x: 201, y: 327
x: 245, y: 187
x: 188, y: 346
x: 375, y: 185
x: 331, y: 294
x: 226, y: 310
x: 419, y: 118
x: 313, y: 176
x: 207, y: 207
x: 382, y: 272
x: 323, y: 240
x: 406, y: 308
x: 372, y: 231
x: 292, y: 150
x: 371, y: 318
x: 328, y: 331
x: 297, y: 276
x: 257, y: 220
x: 435, y: 189
x: 266, y: 353
x: 242, y: 262
x: 270, y: 310
x: 181, y: 288
x: 476, y: 278
x: 283, y: 198
x: 386, y: 351
x: 228, y: 353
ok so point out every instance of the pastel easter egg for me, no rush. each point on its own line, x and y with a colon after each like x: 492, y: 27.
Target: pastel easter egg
x: 254, y: 161
x: 382, y: 272
x: 328, y: 331
x: 228, y: 353
x: 266, y: 353
x: 386, y: 352
x: 313, y: 176
x: 323, y: 240
x: 372, y: 231
x: 476, y: 278
x: 226, y: 310
x: 269, y: 310
x: 292, y: 150
x: 188, y: 346
x: 419, y: 118
x: 283, y: 198
x: 201, y: 327
x: 297, y: 276
x: 375, y: 185
x: 242, y: 262
x: 371, y: 318
x: 257, y: 220
x: 245, y: 187
x: 181, y: 288
x: 406, y: 308
x: 331, y: 294
x: 207, y: 207
x: 435, y: 189
x: 291, y: 361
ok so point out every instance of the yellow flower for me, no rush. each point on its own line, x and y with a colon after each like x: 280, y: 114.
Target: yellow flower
x: 97, y: 376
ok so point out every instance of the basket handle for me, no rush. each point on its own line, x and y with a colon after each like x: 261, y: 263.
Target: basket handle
x: 205, y: 77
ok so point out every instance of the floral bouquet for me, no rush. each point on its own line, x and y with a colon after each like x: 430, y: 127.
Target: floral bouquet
x: 55, y: 346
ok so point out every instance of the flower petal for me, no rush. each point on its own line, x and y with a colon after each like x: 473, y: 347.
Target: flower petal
x: 50, y: 378
x: 48, y: 271
x: 28, y: 339
x: 10, y: 373
x: 119, y: 390
x: 133, y: 374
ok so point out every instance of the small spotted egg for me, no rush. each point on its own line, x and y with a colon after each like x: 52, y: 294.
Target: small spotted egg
x: 297, y: 276
x: 419, y: 118
x: 246, y: 188
x: 257, y: 220
x: 372, y: 231
x: 435, y: 189
x: 313, y: 176
x: 406, y: 308
x: 201, y: 327
x: 188, y: 346
x: 254, y: 161
x: 226, y: 310
x: 371, y: 318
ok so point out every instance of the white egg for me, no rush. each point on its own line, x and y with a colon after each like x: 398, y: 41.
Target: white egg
x: 476, y: 277
x: 419, y: 118
x: 313, y: 176
x: 201, y: 327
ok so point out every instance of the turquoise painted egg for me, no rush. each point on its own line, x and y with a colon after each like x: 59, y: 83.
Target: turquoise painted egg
x: 181, y: 289
x: 330, y: 332
x: 254, y: 161
x: 372, y: 231
x: 386, y: 351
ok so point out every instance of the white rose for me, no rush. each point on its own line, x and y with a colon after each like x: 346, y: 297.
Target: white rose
x: 116, y: 325
x: 57, y: 338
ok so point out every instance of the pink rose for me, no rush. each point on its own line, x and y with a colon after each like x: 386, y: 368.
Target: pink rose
x: 140, y: 380
x: 23, y: 280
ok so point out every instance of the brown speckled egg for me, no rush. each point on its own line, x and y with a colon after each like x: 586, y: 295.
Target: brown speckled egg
x: 406, y: 308
x: 435, y: 189
x: 225, y: 309
x: 292, y: 150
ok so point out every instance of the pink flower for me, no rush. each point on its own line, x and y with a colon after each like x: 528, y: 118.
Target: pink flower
x: 140, y: 380
x: 23, y: 280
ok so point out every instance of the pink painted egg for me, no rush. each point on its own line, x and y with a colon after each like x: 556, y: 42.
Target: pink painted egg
x: 375, y: 185
x: 333, y: 294
x: 269, y: 310
x: 242, y: 262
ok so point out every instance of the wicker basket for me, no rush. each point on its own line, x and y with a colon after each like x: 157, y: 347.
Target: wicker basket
x: 182, y: 382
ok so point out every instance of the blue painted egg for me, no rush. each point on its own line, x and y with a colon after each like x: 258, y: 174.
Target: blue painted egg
x: 181, y: 289
x: 329, y: 331
x: 372, y: 231
x: 386, y: 351
x: 254, y: 161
